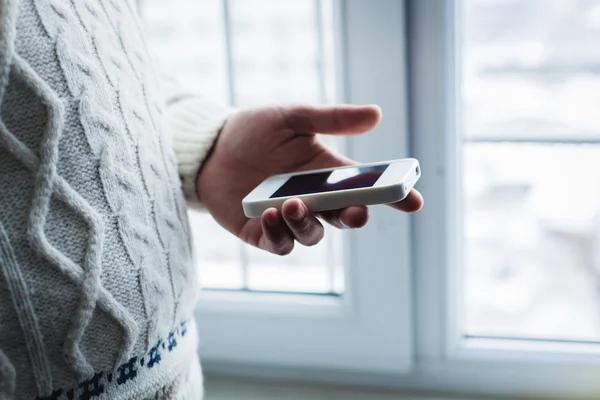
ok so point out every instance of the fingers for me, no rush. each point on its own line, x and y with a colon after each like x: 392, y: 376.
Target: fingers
x: 341, y: 119
x: 303, y: 224
x: 411, y: 203
x: 294, y: 223
x: 277, y: 237
x: 281, y: 229
x: 348, y: 218
x: 358, y: 216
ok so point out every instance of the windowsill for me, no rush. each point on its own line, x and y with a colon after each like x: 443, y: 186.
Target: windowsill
x: 227, y: 388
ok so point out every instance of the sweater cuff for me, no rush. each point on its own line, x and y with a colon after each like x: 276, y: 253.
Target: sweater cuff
x: 194, y: 124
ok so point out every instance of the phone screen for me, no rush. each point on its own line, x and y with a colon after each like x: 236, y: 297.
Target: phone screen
x: 339, y: 179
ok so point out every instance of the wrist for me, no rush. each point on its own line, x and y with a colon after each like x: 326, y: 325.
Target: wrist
x: 193, y: 147
x: 202, y: 172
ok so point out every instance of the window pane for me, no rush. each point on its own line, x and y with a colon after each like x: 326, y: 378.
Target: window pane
x: 316, y: 269
x: 531, y: 221
x: 188, y: 40
x: 531, y: 68
x: 252, y: 52
x: 275, y: 51
x: 532, y: 230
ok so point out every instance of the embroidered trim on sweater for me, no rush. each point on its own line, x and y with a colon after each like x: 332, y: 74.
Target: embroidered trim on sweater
x: 129, y: 372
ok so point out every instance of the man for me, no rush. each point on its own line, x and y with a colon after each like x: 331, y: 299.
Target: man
x: 97, y: 289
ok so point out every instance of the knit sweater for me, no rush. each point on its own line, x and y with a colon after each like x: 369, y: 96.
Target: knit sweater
x: 97, y: 279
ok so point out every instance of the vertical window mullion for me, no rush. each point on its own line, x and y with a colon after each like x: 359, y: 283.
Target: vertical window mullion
x: 228, y: 32
x: 233, y: 101
x: 432, y: 92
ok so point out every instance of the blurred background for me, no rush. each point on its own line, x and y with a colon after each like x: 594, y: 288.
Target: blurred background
x: 530, y: 137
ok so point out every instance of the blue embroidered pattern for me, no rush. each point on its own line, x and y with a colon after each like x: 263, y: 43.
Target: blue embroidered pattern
x: 95, y: 386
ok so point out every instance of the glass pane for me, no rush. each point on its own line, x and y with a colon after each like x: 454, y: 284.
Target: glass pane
x: 532, y: 248
x: 311, y: 270
x: 530, y: 68
x: 188, y: 41
x: 280, y: 52
x: 275, y: 53
x: 531, y: 211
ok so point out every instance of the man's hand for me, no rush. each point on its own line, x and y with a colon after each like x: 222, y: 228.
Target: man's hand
x: 258, y: 143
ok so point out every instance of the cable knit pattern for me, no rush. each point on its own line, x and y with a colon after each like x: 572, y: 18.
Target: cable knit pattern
x: 105, y: 135
x: 46, y: 175
x: 7, y: 378
x: 76, y: 72
x: 27, y: 319
x: 169, y: 212
x: 95, y: 248
x: 8, y: 21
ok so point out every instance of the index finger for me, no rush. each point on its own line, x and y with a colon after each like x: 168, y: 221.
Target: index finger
x: 340, y: 119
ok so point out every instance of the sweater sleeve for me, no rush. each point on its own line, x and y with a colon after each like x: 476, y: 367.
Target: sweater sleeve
x: 194, y: 123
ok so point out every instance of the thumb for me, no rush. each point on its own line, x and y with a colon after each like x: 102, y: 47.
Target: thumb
x: 338, y: 119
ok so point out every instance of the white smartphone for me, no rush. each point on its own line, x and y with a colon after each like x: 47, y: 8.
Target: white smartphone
x: 334, y: 188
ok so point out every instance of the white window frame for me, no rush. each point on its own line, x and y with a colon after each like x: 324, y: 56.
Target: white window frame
x: 445, y: 358
x: 399, y: 325
x: 369, y: 328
